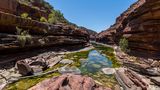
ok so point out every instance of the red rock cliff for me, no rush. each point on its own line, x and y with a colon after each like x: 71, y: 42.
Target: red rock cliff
x: 20, y: 33
x: 140, y: 25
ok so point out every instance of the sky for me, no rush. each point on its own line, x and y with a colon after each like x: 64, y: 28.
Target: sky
x: 97, y: 15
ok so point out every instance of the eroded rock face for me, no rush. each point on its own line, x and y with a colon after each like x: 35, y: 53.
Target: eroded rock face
x: 42, y: 34
x: 92, y: 33
x: 140, y: 25
x: 68, y: 82
x: 113, y: 34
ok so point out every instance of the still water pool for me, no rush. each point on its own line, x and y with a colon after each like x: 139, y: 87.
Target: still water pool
x: 95, y: 62
x: 92, y: 68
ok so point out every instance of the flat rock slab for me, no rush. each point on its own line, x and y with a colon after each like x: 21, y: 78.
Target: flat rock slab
x: 108, y: 71
x: 54, y: 61
x: 155, y: 80
x: 66, y: 69
x: 66, y: 61
x: 68, y: 82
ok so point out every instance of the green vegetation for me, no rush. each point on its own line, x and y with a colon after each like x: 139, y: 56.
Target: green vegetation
x: 109, y: 52
x: 59, y: 17
x: 43, y: 19
x: 56, y: 17
x: 104, y: 80
x: 77, y: 56
x: 99, y: 77
x: 47, y: 5
x: 25, y: 15
x: 23, y: 37
x: 52, y: 18
x: 25, y: 84
x: 123, y: 43
x: 42, y: 2
x: 55, y: 67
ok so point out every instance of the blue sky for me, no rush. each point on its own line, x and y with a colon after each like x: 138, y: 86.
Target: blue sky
x: 97, y: 15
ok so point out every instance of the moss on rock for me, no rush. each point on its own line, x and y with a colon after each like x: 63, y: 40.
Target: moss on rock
x: 27, y: 83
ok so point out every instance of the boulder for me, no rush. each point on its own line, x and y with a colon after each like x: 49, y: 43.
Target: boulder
x: 24, y: 68
x: 28, y: 67
x: 68, y: 82
x: 41, y: 64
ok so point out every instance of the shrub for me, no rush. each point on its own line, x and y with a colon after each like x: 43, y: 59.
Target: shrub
x: 123, y: 43
x: 52, y: 18
x: 23, y: 37
x: 43, y: 19
x: 24, y: 15
x: 59, y: 17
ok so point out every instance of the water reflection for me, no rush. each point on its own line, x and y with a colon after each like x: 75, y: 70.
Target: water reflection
x: 95, y: 62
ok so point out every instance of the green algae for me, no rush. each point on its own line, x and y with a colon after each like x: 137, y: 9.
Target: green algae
x: 99, y: 77
x: 109, y: 52
x: 102, y: 79
x: 27, y: 83
x: 55, y: 67
x: 76, y: 57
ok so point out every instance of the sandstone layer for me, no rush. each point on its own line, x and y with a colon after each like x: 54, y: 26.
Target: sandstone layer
x: 140, y: 25
x: 68, y: 82
x: 18, y: 33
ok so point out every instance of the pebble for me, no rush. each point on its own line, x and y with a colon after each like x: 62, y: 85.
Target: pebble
x: 108, y: 71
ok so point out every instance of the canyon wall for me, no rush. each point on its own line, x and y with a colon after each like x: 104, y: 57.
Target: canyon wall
x: 92, y: 33
x: 18, y: 33
x: 140, y: 25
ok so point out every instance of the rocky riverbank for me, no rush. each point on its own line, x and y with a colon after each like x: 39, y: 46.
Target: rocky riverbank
x: 127, y: 72
x: 145, y: 70
x: 34, y: 65
x: 69, y: 62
